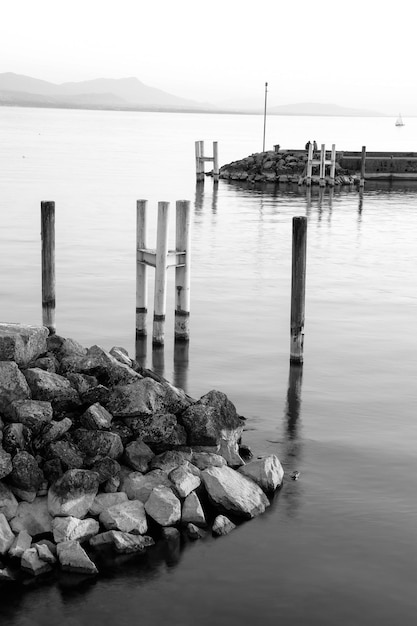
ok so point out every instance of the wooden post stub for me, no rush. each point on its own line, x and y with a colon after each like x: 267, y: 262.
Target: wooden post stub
x: 141, y: 270
x: 48, y: 265
x: 215, y: 162
x: 160, y: 274
x: 298, y: 280
x: 182, y: 272
x: 363, y: 165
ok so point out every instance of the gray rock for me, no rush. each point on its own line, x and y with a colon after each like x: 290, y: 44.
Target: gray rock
x: 203, y: 460
x: 98, y: 443
x: 106, y: 469
x: 192, y: 511
x: 83, y: 383
x: 230, y: 452
x: 74, y: 529
x: 16, y: 437
x: 62, y: 347
x: 138, y: 456
x: 111, y: 485
x: 13, y: 386
x: 51, y: 432
x: 169, y: 533
x: 184, y: 481
x: 22, y: 343
x: 31, y: 563
x: 161, y: 431
x: 52, y: 470
x: 104, y: 501
x: 212, y: 419
x: 32, y: 413
x: 167, y: 461
x: 6, y: 535
x: 139, y: 486
x: 233, y: 492
x: 7, y: 575
x: 26, y: 495
x: 51, y: 387
x: 47, y: 363
x: 33, y: 517
x: 266, y: 472
x: 73, y: 493
x: 126, y: 516
x: 5, y: 463
x: 96, y: 417
x: 21, y: 543
x: 103, y: 365
x: 222, y: 526
x: 8, y: 502
x: 26, y: 473
x: 145, y: 397
x: 69, y: 455
x: 45, y: 553
x: 102, y: 539
x: 126, y: 543
x: 194, y: 532
x: 73, y: 558
x: 163, y: 506
x: 121, y: 355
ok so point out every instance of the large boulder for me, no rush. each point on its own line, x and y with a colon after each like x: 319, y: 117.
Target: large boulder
x: 212, y: 419
x: 266, y: 472
x: 98, y: 444
x: 145, y: 397
x: 51, y: 432
x: 26, y: 473
x: 33, y: 564
x: 203, y: 460
x: 192, y: 511
x: 232, y: 492
x: 161, y: 431
x: 21, y: 543
x: 51, y: 387
x: 22, y: 343
x: 62, y: 347
x: 126, y: 543
x: 96, y: 417
x: 169, y: 460
x: 33, y: 517
x: 16, y: 437
x: 222, y: 525
x: 74, y: 529
x: 139, y: 486
x: 163, y: 506
x: 104, y: 501
x: 6, y: 535
x: 184, y: 481
x: 106, y: 468
x: 67, y: 452
x: 73, y: 493
x: 32, y: 413
x: 101, y: 364
x: 8, y: 502
x: 126, y: 516
x: 138, y: 456
x: 73, y: 558
x: 13, y: 386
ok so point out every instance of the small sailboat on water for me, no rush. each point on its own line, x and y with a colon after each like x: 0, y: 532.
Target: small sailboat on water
x: 399, y: 121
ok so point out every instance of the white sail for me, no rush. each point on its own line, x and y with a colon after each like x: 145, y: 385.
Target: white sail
x: 399, y: 121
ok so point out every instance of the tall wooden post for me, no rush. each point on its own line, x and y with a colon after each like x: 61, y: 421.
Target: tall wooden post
x: 215, y: 162
x: 333, y: 164
x: 298, y: 279
x: 182, y: 271
x: 309, y: 164
x: 48, y: 265
x: 322, y: 181
x: 160, y: 274
x: 141, y: 270
x: 363, y: 164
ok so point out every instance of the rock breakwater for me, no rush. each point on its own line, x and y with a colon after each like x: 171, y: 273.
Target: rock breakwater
x: 98, y: 453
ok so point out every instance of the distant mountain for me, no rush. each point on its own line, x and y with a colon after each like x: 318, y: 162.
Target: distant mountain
x: 299, y: 108
x: 101, y: 92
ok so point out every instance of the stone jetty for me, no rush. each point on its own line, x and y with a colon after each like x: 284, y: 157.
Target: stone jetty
x: 98, y: 453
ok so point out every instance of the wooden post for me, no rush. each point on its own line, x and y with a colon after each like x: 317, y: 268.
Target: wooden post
x: 141, y: 270
x: 309, y: 164
x: 182, y: 272
x: 215, y: 162
x: 160, y: 274
x: 322, y: 181
x: 333, y: 164
x: 298, y: 278
x: 48, y: 265
x: 197, y: 159
x: 200, y: 160
x: 363, y: 163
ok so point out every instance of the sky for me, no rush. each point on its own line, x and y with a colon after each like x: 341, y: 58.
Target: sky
x: 359, y: 53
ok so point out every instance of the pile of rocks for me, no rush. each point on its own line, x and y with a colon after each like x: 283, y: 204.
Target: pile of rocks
x: 278, y: 167
x: 97, y: 451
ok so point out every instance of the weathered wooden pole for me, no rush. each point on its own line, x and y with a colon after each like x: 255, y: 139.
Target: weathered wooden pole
x: 48, y: 265
x: 333, y: 164
x: 215, y: 162
x: 266, y: 96
x: 182, y: 271
x: 141, y: 270
x: 298, y: 281
x: 363, y: 164
x: 309, y: 164
x: 160, y: 274
x: 322, y: 181
x: 199, y: 164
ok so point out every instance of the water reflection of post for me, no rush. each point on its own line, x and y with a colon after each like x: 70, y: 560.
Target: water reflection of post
x: 215, y: 197
x: 293, y: 445
x: 199, y: 196
x: 141, y: 349
x: 331, y: 194
x: 320, y: 204
x: 360, y: 206
x: 308, y: 199
x: 181, y: 364
x: 158, y: 360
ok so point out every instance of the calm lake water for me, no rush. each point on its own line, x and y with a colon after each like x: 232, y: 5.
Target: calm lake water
x: 339, y: 545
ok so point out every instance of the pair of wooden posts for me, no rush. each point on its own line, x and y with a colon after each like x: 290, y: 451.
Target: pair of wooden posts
x: 200, y: 159
x: 322, y: 162
x: 161, y: 259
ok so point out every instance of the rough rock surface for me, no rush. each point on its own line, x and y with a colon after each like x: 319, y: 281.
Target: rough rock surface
x: 233, y: 492
x: 192, y: 511
x: 33, y: 517
x: 74, y: 529
x: 13, y: 386
x: 163, y: 506
x: 33, y: 564
x: 8, y: 502
x: 266, y: 472
x: 126, y: 543
x: 222, y: 526
x: 139, y: 486
x: 22, y: 343
x: 73, y: 493
x: 6, y: 535
x: 126, y: 516
x: 72, y: 557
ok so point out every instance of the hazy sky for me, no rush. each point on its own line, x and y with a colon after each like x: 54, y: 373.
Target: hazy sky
x: 358, y: 53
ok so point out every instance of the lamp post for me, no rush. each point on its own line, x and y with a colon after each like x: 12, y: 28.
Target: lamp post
x: 266, y: 93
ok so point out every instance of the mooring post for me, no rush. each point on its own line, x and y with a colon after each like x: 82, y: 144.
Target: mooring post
x: 141, y: 270
x: 215, y: 162
x: 199, y: 148
x: 333, y: 164
x: 322, y: 181
x: 363, y: 163
x: 309, y: 164
x: 298, y: 281
x: 160, y: 274
x: 48, y: 265
x: 182, y: 271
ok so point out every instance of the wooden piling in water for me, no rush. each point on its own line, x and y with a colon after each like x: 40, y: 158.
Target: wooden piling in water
x: 160, y: 274
x: 48, y: 265
x: 182, y: 270
x: 309, y: 164
x: 298, y: 280
x: 332, y: 165
x: 215, y: 162
x: 363, y: 165
x: 322, y: 180
x: 141, y: 270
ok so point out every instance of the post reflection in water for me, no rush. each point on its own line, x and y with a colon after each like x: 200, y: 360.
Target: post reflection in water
x: 141, y: 350
x: 200, y: 197
x: 158, y: 360
x: 293, y: 443
x: 181, y: 349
